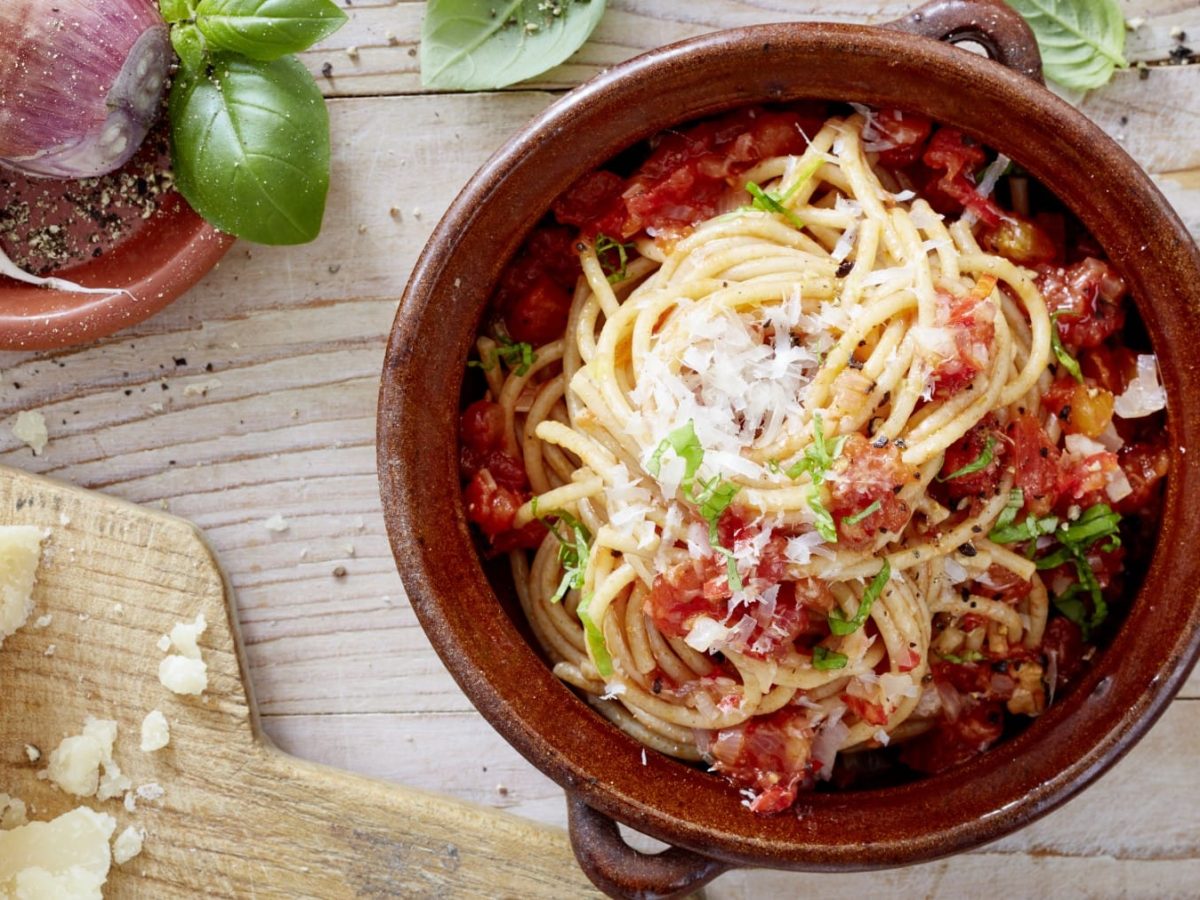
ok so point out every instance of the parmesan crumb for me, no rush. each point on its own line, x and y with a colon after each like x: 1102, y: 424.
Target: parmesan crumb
x: 128, y: 844
x: 156, y: 733
x: 276, y: 523
x: 32, y: 753
x: 12, y: 812
x: 43, y: 621
x: 201, y: 388
x: 151, y: 791
x: 20, y: 552
x: 30, y: 429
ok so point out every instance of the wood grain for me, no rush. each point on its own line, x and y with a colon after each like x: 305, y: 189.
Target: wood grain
x: 295, y: 340
x: 238, y: 818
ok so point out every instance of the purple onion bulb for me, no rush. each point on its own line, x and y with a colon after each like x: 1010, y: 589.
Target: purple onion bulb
x: 80, y: 83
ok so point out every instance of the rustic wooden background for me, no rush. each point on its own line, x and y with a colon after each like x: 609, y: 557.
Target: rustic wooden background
x: 254, y: 396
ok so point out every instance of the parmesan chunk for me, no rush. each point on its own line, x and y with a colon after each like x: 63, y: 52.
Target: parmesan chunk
x: 76, y: 764
x: 66, y: 857
x: 128, y: 845
x: 12, y: 812
x: 183, y: 675
x: 183, y: 636
x: 20, y: 550
x: 156, y: 733
x: 30, y: 429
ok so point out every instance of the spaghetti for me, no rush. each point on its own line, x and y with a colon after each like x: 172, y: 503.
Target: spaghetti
x: 776, y: 474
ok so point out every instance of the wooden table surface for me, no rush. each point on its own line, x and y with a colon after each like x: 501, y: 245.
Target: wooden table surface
x: 254, y: 396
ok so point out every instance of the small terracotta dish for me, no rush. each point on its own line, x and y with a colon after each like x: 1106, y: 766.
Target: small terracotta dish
x: 128, y: 231
x: 471, y: 621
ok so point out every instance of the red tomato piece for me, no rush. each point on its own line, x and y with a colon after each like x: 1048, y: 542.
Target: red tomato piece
x: 957, y: 157
x: 1083, y: 482
x: 593, y: 204
x: 1145, y: 464
x: 482, y: 426
x: 862, y: 475
x: 771, y: 754
x: 971, y: 319
x: 1063, y: 642
x: 954, y: 741
x: 688, y: 591
x: 871, y: 713
x: 490, y: 505
x: 1112, y: 367
x: 539, y: 314
x: 1004, y: 585
x: 1088, y: 298
x: 898, y: 137
x: 1035, y: 459
x: 968, y: 449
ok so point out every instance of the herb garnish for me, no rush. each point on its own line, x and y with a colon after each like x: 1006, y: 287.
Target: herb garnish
x: 617, y: 273
x: 824, y: 659
x: 597, y: 646
x: 771, y: 203
x: 1065, y: 359
x: 1081, y: 41
x: 518, y: 356
x: 249, y: 128
x: 861, y: 514
x: 842, y: 626
x: 817, y: 459
x: 978, y: 464
x: 573, y: 550
x: 967, y: 656
x: 714, y: 495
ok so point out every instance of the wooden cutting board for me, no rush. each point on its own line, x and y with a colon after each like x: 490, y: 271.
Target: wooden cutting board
x: 238, y: 817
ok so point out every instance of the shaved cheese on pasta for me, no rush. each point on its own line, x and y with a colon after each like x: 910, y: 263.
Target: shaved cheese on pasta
x: 1144, y: 395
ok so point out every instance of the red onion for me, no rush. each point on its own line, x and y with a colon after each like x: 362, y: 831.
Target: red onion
x: 80, y: 83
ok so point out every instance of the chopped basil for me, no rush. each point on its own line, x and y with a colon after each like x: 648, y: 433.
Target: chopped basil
x: 861, y: 514
x: 619, y: 272
x: 819, y: 455
x: 824, y: 518
x: 1029, y: 530
x: 842, y: 626
x: 573, y: 550
x: 771, y: 203
x: 714, y: 496
x: 978, y: 464
x: 1065, y: 359
x: 518, y: 356
x: 596, y: 644
x: 1016, y: 500
x: 824, y: 659
x: 968, y: 656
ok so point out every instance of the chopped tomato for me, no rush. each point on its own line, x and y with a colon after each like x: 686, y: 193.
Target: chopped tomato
x: 871, y: 713
x: 954, y: 741
x: 956, y: 156
x: 898, y: 137
x: 1063, y: 644
x: 770, y: 754
x: 1146, y: 464
x: 1084, y: 480
x: 1111, y: 366
x: 1088, y: 298
x: 1035, y: 461
x: 490, y: 505
x: 800, y: 609
x: 1082, y: 409
x: 539, y: 314
x: 482, y: 426
x: 1021, y: 241
x: 1004, y: 585
x: 689, y: 590
x: 527, y: 537
x: 687, y: 177
x: 969, y: 449
x: 863, y: 474
x: 971, y: 319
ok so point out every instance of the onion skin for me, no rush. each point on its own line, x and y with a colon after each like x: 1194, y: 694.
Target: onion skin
x: 81, y: 81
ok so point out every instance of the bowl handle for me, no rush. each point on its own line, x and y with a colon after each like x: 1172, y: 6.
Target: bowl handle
x: 993, y: 24
x: 623, y: 872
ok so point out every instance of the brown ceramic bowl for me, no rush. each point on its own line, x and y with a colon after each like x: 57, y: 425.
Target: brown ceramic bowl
x: 1131, y: 680
x: 159, y: 261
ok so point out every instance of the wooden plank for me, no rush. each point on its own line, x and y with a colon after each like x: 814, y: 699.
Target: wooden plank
x: 235, y: 817
x: 376, y: 52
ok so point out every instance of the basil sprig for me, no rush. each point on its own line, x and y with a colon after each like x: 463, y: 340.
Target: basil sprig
x: 816, y: 461
x: 573, y: 548
x: 1065, y: 359
x: 1081, y: 41
x: 249, y: 128
x: 824, y: 659
x: 619, y: 272
x: 517, y: 355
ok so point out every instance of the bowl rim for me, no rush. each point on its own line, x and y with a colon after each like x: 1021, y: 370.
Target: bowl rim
x: 838, y: 831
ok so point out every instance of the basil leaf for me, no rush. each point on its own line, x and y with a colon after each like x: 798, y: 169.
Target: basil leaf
x: 479, y: 45
x: 1081, y: 41
x: 861, y: 514
x: 823, y: 518
x: 1065, y: 359
x: 597, y: 646
x: 824, y: 659
x: 267, y: 29
x: 842, y: 626
x: 978, y: 464
x: 174, y: 10
x: 686, y: 445
x: 189, y: 47
x: 250, y: 148
x: 968, y: 656
x: 619, y: 272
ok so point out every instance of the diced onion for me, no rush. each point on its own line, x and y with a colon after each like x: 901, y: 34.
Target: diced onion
x: 1144, y: 395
